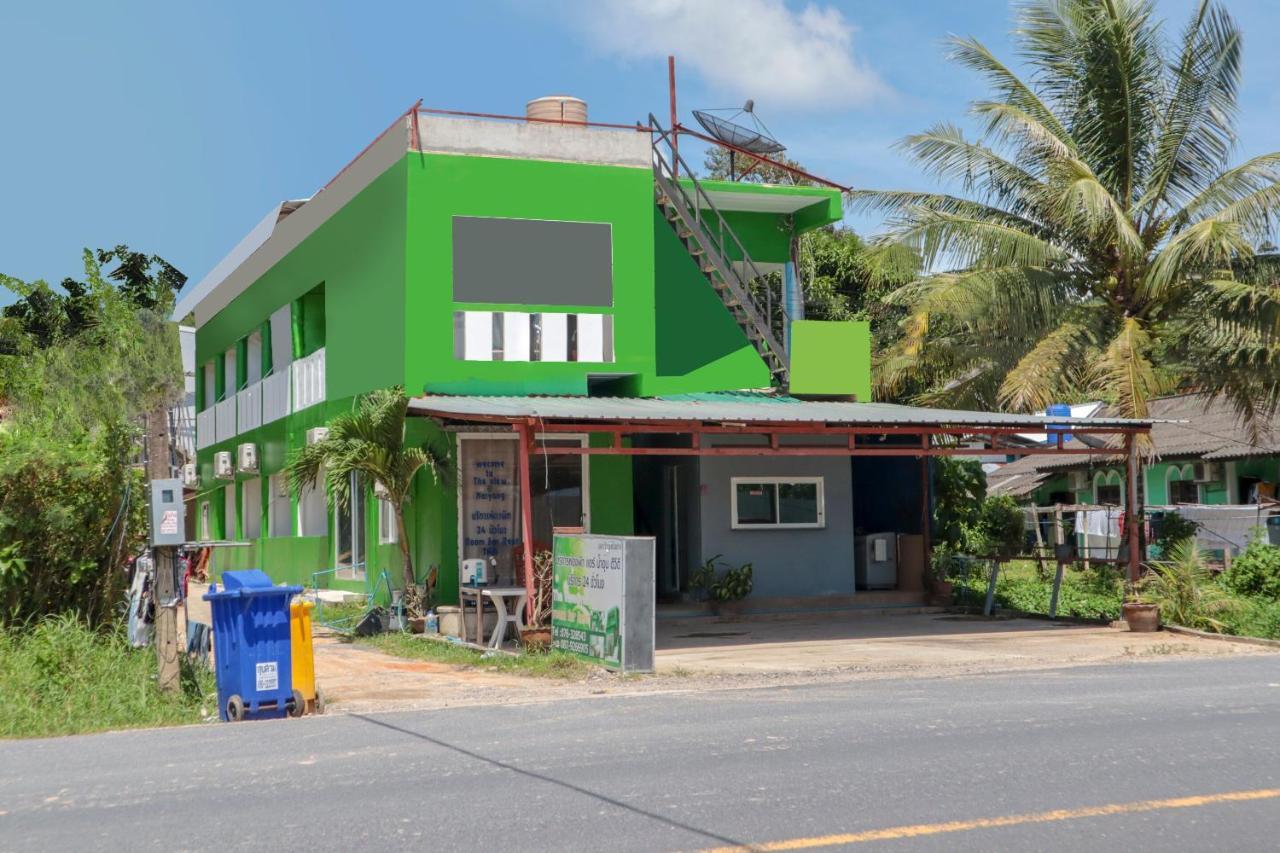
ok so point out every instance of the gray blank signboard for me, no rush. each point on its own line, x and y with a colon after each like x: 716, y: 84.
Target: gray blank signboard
x: 532, y: 262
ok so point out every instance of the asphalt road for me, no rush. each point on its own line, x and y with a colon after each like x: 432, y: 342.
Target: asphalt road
x: 1058, y: 758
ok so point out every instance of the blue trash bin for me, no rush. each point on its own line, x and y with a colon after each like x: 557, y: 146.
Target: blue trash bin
x: 252, y: 646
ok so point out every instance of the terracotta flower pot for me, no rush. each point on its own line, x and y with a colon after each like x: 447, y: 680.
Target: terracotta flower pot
x: 942, y: 592
x: 417, y: 624
x: 536, y: 638
x: 1141, y: 618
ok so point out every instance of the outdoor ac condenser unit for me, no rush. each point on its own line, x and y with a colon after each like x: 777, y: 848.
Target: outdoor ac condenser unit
x: 1206, y: 472
x: 247, y: 458
x: 222, y: 465
x: 190, y: 475
x: 315, y: 435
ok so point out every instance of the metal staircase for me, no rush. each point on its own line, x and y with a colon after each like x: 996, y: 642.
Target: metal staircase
x: 746, y: 292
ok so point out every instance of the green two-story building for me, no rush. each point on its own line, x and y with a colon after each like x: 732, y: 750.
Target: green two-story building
x: 465, y: 256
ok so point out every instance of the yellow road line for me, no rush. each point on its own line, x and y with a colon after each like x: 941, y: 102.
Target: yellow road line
x: 920, y: 829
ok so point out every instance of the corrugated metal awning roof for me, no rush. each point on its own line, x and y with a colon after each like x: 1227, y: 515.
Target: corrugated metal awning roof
x: 736, y: 407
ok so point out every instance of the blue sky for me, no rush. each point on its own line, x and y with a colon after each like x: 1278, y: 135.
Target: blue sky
x: 174, y: 126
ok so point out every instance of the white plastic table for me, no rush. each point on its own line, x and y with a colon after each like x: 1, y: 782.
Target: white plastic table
x: 499, y: 595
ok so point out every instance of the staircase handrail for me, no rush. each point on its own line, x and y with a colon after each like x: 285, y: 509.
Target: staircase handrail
x: 663, y: 135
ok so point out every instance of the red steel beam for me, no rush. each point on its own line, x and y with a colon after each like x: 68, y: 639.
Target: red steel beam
x: 680, y: 128
x: 758, y: 427
x: 791, y: 450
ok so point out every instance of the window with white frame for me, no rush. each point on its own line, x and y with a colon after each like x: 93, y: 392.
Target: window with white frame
x: 348, y: 532
x: 387, y: 532
x: 279, y: 514
x: 1107, y: 490
x: 1183, y: 488
x: 251, y: 508
x: 313, y: 515
x: 776, y: 503
x: 229, y: 511
x: 532, y: 336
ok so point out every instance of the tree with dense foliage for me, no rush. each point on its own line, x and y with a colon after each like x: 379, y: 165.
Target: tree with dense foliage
x: 369, y: 441
x: 1099, y: 243
x: 79, y: 370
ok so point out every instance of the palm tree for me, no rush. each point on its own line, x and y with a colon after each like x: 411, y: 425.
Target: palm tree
x: 1097, y: 242
x: 369, y: 440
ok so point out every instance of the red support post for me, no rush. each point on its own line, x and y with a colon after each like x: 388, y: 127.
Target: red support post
x: 526, y: 513
x: 1132, y: 511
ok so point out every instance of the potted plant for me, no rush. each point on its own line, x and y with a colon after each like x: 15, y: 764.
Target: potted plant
x: 941, y: 564
x: 703, y: 579
x: 537, y: 631
x: 735, y: 585
x: 1142, y: 617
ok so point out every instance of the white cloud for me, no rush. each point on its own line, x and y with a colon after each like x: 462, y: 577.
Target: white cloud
x: 784, y: 58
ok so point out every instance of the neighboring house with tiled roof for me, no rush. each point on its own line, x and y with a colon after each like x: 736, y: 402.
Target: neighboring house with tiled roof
x: 1203, y: 454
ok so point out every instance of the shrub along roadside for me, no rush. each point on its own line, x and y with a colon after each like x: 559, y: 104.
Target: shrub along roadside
x: 1186, y: 595
x: 60, y: 677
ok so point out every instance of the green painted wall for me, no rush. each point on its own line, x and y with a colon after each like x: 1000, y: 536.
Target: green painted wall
x: 358, y: 255
x: 831, y: 358
x: 373, y: 286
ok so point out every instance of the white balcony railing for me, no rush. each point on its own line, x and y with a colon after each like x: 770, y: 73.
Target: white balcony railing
x: 308, y: 380
x: 205, y: 431
x: 267, y: 400
x: 225, y: 419
x: 275, y: 396
x: 249, y: 408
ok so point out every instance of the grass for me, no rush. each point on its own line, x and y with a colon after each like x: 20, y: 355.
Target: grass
x: 1098, y: 592
x: 549, y: 664
x: 340, y: 616
x: 60, y: 677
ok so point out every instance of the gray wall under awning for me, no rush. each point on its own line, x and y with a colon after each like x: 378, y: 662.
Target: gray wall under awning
x: 786, y: 563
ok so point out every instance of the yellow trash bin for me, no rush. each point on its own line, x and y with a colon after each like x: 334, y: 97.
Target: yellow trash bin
x: 304, y: 659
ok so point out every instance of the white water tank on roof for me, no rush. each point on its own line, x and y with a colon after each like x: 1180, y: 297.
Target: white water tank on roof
x: 557, y: 108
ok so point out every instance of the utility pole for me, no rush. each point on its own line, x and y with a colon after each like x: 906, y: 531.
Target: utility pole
x: 164, y: 594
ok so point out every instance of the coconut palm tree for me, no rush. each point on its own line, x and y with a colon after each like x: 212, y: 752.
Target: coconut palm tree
x: 1094, y: 240
x: 369, y: 440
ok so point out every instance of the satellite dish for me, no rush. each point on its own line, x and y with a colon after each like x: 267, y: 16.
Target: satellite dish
x: 734, y: 130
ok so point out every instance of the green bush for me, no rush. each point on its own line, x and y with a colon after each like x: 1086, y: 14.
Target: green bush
x: 1256, y: 572
x: 1186, y: 591
x: 1095, y: 594
x: 1003, y: 525
x: 59, y: 676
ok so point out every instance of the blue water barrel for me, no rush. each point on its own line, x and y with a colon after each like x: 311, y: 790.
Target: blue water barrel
x: 1057, y: 410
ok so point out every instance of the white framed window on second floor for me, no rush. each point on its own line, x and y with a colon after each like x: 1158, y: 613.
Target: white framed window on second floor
x: 279, y: 509
x: 251, y: 508
x: 776, y: 503
x: 387, y: 532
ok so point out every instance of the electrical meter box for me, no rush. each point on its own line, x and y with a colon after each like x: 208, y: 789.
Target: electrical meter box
x: 168, y: 514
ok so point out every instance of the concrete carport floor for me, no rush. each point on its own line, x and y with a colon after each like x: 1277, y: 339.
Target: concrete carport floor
x: 929, y: 643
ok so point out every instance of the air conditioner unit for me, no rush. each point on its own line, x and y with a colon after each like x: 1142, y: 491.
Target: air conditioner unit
x: 190, y: 475
x: 222, y: 465
x: 1206, y: 472
x: 247, y: 458
x: 380, y: 490
x: 1078, y: 481
x: 315, y: 435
